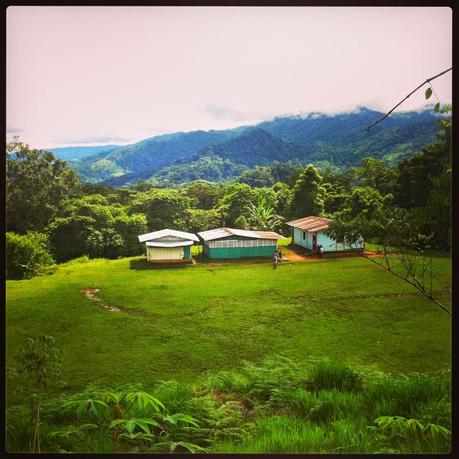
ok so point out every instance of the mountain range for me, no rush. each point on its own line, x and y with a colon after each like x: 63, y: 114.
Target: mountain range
x: 340, y: 140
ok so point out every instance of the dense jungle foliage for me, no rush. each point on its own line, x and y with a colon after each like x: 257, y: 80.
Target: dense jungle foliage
x: 47, y: 203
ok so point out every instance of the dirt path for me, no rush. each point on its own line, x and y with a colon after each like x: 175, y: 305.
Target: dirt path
x: 294, y: 256
x: 90, y: 293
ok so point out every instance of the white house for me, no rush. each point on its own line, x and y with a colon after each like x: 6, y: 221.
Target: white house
x: 309, y: 232
x: 168, y: 245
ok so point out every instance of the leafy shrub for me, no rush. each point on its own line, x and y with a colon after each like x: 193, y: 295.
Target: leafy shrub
x: 344, y: 404
x: 26, y: 255
x: 19, y: 428
x: 405, y: 396
x: 226, y: 381
x: 282, y: 434
x: 351, y: 436
x: 322, y: 412
x: 411, y: 434
x: 228, y: 422
x: 335, y: 375
x: 298, y: 401
x: 175, y: 395
x: 274, y: 373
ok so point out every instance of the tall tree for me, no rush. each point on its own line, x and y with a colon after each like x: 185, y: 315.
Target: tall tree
x: 36, y: 185
x: 163, y: 208
x: 308, y: 193
x: 236, y: 201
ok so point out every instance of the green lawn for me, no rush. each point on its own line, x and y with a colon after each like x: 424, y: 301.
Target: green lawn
x: 181, y: 322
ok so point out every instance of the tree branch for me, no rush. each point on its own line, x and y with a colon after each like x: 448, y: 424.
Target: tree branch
x: 415, y: 285
x: 412, y: 92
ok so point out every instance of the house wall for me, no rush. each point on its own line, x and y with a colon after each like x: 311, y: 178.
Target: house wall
x: 264, y: 250
x: 164, y: 253
x: 328, y: 244
x: 239, y: 252
x: 298, y: 238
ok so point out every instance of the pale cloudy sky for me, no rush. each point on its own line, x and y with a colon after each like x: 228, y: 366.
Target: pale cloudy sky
x: 98, y: 75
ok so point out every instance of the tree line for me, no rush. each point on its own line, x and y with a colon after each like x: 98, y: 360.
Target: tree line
x: 53, y: 217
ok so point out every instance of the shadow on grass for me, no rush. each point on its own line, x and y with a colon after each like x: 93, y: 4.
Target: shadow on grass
x: 142, y: 264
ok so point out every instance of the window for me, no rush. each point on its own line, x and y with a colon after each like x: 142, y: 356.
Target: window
x: 304, y: 235
x: 241, y: 243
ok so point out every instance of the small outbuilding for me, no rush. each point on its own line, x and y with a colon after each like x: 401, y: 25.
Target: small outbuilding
x: 168, y: 245
x: 237, y: 243
x: 309, y: 232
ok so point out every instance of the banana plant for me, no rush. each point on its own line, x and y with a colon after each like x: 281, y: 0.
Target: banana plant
x: 262, y: 216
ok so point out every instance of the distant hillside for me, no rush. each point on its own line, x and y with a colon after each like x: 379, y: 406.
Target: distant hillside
x: 343, y: 139
x: 76, y: 153
x: 340, y: 140
x: 149, y: 155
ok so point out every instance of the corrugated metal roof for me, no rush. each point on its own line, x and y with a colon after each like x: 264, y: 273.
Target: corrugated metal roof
x: 217, y: 233
x: 220, y: 233
x: 167, y: 232
x: 169, y: 244
x: 311, y: 224
x: 269, y: 235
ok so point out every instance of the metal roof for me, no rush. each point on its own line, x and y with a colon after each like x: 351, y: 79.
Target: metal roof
x: 167, y: 232
x: 169, y: 244
x: 220, y: 233
x: 311, y: 224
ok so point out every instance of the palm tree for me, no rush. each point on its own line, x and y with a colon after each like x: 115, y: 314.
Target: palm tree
x: 262, y: 217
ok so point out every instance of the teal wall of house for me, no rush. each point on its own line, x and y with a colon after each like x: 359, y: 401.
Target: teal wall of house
x: 187, y: 251
x: 239, y: 252
x: 304, y: 238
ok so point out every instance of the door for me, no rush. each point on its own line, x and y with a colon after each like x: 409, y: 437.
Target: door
x: 314, y: 241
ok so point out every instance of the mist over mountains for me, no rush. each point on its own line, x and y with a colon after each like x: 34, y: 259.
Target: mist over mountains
x: 339, y: 140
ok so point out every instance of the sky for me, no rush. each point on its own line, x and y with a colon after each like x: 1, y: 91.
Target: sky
x: 103, y: 75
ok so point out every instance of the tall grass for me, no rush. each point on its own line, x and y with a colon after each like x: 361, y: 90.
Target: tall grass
x: 405, y: 396
x: 335, y: 375
x: 279, y: 406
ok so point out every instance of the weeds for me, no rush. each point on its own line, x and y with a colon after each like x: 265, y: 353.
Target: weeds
x: 276, y: 406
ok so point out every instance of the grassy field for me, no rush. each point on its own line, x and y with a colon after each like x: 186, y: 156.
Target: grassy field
x: 183, y: 322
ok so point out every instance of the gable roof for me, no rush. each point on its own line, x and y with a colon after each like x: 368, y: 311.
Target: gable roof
x: 220, y: 233
x: 167, y: 232
x: 311, y: 224
x: 168, y: 244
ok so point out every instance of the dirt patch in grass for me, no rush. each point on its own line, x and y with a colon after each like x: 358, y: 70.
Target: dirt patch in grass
x: 91, y: 293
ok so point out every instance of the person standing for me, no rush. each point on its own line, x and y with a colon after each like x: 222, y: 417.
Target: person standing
x: 275, y: 260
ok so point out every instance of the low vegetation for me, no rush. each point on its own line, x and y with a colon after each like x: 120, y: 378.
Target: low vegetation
x: 276, y: 406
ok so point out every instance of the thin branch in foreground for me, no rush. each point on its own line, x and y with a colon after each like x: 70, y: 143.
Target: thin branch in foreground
x: 427, y: 295
x: 412, y: 92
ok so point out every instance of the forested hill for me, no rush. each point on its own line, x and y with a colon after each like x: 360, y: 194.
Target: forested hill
x: 76, y: 153
x: 341, y: 140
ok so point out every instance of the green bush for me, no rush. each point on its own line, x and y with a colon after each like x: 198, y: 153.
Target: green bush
x: 26, y: 255
x: 276, y: 372
x: 335, y: 375
x: 175, y: 395
x: 298, y: 401
x: 405, y: 396
x: 264, y: 408
x: 344, y: 404
x: 230, y: 381
x: 282, y: 434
